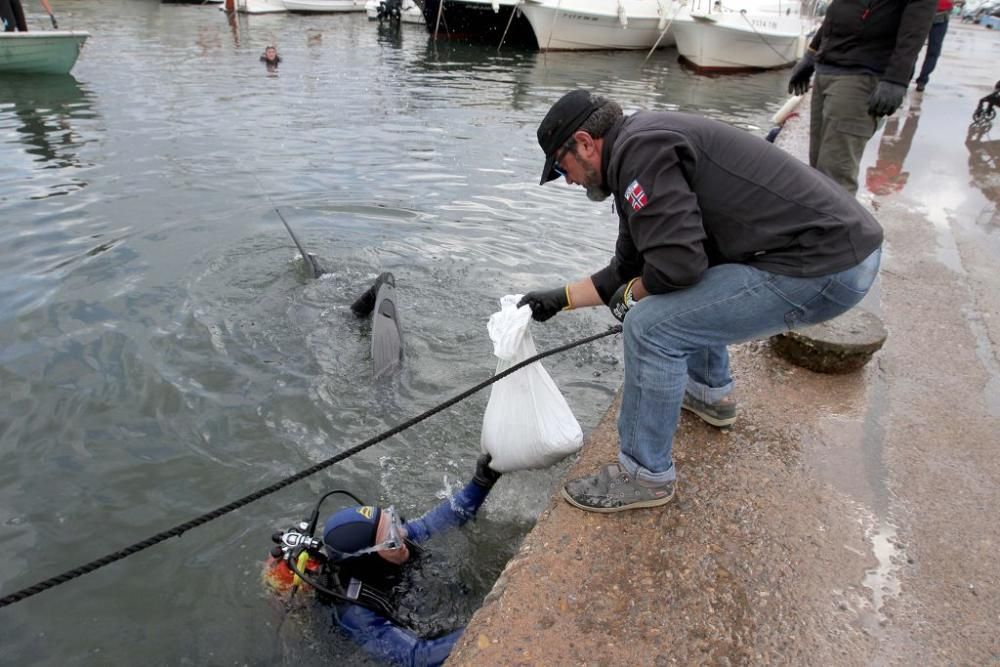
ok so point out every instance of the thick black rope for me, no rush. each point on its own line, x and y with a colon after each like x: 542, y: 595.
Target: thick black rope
x: 179, y: 530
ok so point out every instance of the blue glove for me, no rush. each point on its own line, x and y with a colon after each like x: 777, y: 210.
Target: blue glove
x: 798, y: 83
x: 622, y: 300
x: 885, y: 99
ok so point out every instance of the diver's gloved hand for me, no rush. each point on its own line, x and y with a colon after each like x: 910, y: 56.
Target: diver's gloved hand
x: 885, y: 99
x: 485, y: 476
x: 622, y: 300
x: 545, y: 304
x: 52, y: 17
x: 798, y: 83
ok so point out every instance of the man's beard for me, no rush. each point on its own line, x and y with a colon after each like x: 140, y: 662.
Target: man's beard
x: 596, y: 191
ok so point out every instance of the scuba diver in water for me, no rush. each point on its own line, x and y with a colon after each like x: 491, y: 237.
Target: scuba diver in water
x: 357, y: 567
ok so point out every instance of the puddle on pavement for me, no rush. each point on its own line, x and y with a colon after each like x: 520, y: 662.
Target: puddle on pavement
x: 847, y: 451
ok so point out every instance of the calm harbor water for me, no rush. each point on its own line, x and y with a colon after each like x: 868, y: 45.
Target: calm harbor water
x: 161, y: 352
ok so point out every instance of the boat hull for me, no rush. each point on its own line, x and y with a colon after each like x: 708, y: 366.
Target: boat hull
x: 43, y: 52
x: 739, y: 41
x: 260, y: 6
x: 324, y: 6
x: 582, y: 25
x: 479, y: 22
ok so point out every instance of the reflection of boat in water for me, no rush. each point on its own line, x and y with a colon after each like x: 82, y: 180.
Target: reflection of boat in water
x: 602, y: 24
x: 487, y: 21
x: 43, y: 52
x: 324, y: 6
x: 45, y: 111
x: 741, y: 34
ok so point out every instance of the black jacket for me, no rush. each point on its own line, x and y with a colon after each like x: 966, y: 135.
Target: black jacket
x: 883, y: 36
x: 692, y: 192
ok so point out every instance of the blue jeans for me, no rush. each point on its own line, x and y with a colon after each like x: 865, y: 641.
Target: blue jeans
x: 676, y: 342
x: 934, y: 41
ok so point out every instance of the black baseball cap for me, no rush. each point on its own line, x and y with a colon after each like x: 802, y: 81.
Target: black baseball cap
x: 563, y: 119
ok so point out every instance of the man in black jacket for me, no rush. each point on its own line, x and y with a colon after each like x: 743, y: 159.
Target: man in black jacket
x: 722, y: 238
x: 863, y: 56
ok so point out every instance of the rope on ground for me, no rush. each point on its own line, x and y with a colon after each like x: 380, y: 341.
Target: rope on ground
x: 180, y: 529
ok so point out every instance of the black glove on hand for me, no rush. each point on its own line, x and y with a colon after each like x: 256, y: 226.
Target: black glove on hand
x: 485, y: 476
x: 545, y: 304
x: 622, y: 301
x: 885, y: 99
x: 798, y: 83
x: 52, y: 17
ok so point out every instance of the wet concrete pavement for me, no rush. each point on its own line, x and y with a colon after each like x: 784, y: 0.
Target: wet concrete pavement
x: 845, y: 520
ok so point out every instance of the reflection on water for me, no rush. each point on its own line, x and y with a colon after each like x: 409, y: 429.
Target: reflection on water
x: 887, y: 175
x: 983, y: 143
x: 41, y: 111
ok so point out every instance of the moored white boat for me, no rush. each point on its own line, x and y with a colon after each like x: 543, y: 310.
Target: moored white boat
x: 602, y: 24
x: 410, y: 12
x: 324, y: 6
x: 42, y: 52
x: 741, y: 34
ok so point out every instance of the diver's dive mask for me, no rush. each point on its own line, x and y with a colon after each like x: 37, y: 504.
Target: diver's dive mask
x: 394, y: 540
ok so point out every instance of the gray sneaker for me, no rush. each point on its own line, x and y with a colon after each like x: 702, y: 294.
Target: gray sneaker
x: 613, y: 490
x: 721, y: 415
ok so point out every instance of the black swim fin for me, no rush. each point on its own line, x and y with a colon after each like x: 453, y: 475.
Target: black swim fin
x: 387, y: 335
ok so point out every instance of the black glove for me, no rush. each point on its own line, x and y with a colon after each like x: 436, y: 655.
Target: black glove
x: 885, y: 99
x: 485, y: 476
x: 622, y: 301
x: 798, y: 83
x: 52, y: 17
x: 545, y: 304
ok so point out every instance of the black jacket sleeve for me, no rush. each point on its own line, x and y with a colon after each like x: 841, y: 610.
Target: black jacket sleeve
x: 660, y: 236
x: 914, y: 26
x: 624, y: 266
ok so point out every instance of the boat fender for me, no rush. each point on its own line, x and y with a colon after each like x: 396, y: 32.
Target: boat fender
x: 496, y: 6
x: 786, y: 109
x: 622, y: 17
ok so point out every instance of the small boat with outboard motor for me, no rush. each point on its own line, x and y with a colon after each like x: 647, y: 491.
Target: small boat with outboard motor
x: 42, y: 52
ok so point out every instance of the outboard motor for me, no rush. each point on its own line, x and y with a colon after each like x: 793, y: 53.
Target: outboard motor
x: 390, y: 10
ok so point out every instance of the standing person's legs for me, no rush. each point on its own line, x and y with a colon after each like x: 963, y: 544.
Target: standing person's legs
x: 846, y: 127
x: 732, y: 303
x: 8, y: 22
x: 816, y: 119
x: 934, y: 42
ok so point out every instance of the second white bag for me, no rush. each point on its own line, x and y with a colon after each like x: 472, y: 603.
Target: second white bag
x: 528, y: 423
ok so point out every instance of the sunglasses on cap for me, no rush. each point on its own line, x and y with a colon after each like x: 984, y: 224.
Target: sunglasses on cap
x: 561, y: 155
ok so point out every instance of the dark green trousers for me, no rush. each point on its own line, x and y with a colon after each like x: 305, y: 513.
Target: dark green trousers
x: 840, y: 125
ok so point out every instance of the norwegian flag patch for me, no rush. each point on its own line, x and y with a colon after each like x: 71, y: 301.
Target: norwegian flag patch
x: 635, y: 196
